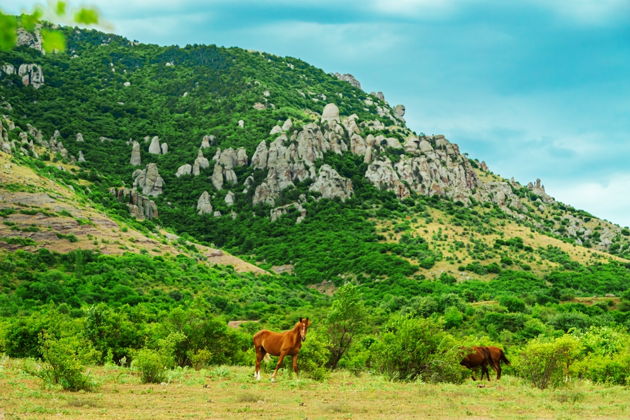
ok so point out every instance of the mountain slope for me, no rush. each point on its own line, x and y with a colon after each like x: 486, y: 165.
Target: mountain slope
x: 273, y: 158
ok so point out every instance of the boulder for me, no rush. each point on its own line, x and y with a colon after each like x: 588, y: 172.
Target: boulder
x: 154, y: 147
x: 347, y: 77
x: 229, y: 198
x: 288, y: 124
x: 399, y: 111
x: 241, y: 124
x: 149, y: 180
x: 241, y: 157
x: 81, y: 157
x: 330, y: 113
x: 135, y: 154
x: 201, y: 161
x: 259, y: 158
x: 206, y: 141
x: 32, y: 75
x: 164, y: 148
x: 203, y: 204
x: 217, y: 176
x: 185, y: 169
x: 275, y: 130
x: 80, y: 138
x: 331, y: 185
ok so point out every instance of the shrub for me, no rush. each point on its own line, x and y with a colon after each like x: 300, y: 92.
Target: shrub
x: 547, y: 363
x: 200, y: 359
x: 413, y: 348
x: 63, y: 364
x: 313, y: 357
x: 151, y: 365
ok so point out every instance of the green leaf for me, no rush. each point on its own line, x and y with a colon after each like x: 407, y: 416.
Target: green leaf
x: 8, y: 31
x: 86, y: 16
x: 29, y: 21
x: 60, y: 8
x: 53, y: 41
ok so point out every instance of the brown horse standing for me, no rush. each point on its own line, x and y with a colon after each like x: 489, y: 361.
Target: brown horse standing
x: 280, y: 344
x: 482, y: 356
x: 477, y: 358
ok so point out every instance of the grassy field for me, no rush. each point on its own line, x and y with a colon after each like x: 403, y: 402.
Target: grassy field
x: 231, y: 392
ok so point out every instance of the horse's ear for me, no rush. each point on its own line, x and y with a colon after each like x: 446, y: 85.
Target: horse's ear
x: 301, y: 320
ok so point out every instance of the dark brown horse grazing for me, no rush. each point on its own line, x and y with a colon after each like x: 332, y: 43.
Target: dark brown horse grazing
x: 280, y: 344
x: 482, y: 356
x: 496, y: 357
x: 478, y: 357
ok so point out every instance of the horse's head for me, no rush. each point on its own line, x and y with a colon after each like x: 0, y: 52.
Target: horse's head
x: 303, y: 327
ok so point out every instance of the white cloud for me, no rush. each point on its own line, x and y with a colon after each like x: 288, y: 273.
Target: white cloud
x: 608, y: 198
x: 587, y: 11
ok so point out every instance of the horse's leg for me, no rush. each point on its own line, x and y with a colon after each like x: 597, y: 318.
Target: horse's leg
x: 472, y: 374
x: 295, y: 368
x: 280, y: 359
x: 260, y: 354
x: 484, y: 370
x: 497, y: 368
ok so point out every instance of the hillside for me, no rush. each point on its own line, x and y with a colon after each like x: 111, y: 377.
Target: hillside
x: 134, y: 176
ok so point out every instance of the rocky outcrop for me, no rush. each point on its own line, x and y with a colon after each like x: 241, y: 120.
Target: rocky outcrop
x: 81, y: 158
x: 29, y: 39
x: 149, y: 180
x: 139, y: 206
x: 229, y: 198
x: 203, y: 204
x: 381, y: 173
x: 278, y: 212
x: 539, y: 189
x: 154, y: 147
x: 331, y: 185
x: 201, y: 161
x: 399, y: 112
x: 207, y: 141
x: 330, y: 113
x: 135, y: 154
x: 164, y: 148
x: 79, y: 138
x: 185, y: 169
x: 32, y: 75
x: 347, y: 77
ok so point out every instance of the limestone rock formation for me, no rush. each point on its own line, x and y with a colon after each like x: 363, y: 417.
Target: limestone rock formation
x: 207, y: 141
x: 229, y: 198
x: 203, y: 204
x: 201, y: 161
x: 278, y: 212
x: 139, y: 206
x: 330, y: 113
x: 29, y: 39
x: 31, y: 74
x: 347, y: 77
x: 185, y: 169
x: 287, y: 125
x: 149, y: 180
x: 217, y: 176
x: 154, y: 147
x: 164, y: 148
x: 399, y: 111
x: 81, y: 157
x: 332, y: 185
x: 80, y: 138
x: 381, y: 173
x: 135, y: 154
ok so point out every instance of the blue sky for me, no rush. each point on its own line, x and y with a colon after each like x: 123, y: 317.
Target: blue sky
x: 536, y: 88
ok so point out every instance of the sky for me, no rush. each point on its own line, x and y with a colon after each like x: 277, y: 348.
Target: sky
x: 535, y: 88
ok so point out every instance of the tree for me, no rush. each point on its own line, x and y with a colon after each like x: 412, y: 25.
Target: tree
x: 347, y: 318
x: 52, y: 40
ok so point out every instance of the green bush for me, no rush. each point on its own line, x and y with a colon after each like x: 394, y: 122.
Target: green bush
x: 547, y: 363
x: 151, y: 364
x: 413, y: 348
x: 64, y: 364
x: 314, y: 356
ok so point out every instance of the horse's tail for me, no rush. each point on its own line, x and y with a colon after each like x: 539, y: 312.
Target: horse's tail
x: 504, y: 359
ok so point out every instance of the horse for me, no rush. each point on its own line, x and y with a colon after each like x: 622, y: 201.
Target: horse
x: 280, y: 344
x: 496, y: 357
x: 481, y: 356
